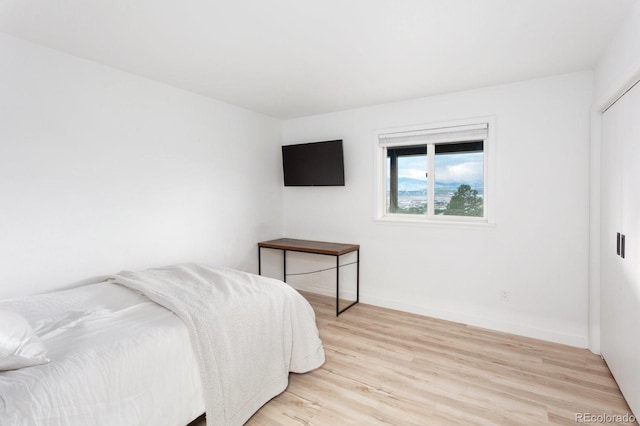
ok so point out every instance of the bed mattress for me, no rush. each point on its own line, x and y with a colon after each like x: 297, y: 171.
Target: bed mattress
x: 136, y: 355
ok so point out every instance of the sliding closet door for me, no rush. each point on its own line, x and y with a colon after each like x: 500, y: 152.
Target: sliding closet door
x: 620, y: 273
x: 629, y: 371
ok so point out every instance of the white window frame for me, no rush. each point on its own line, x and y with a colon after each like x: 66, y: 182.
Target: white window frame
x: 413, y: 132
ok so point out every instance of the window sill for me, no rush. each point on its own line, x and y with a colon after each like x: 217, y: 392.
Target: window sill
x: 464, y: 224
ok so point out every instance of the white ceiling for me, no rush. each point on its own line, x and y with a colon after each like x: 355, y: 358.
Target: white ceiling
x: 291, y: 58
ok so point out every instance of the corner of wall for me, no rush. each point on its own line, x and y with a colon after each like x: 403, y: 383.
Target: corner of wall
x: 594, y: 232
x: 619, y: 66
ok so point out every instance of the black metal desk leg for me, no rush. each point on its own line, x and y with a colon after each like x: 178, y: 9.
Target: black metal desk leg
x: 337, y: 285
x: 259, y: 262
x: 358, y: 275
x: 338, y: 310
x: 284, y: 266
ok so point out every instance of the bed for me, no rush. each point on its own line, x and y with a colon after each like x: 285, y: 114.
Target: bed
x: 117, y: 357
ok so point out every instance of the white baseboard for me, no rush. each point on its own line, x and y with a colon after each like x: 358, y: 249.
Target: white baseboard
x: 472, y: 320
x: 488, y: 323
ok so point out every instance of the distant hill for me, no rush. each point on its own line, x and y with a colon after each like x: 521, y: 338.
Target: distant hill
x: 406, y: 184
x: 409, y: 184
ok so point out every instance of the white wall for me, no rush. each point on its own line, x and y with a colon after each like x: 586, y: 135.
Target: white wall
x: 620, y: 63
x: 101, y: 170
x: 538, y: 250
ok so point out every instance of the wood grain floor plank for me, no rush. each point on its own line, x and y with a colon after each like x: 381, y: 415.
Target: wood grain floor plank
x: 386, y: 367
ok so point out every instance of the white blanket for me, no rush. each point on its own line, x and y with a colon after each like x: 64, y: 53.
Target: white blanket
x: 248, y: 332
x: 117, y: 359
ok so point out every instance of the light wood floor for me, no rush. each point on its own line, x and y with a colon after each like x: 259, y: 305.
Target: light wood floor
x: 386, y: 367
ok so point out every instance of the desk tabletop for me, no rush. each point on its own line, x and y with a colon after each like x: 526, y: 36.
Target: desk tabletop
x: 319, y: 247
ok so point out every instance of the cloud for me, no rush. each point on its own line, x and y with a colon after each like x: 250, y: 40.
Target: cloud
x: 470, y: 171
x: 414, y: 167
x: 413, y: 174
x: 450, y: 168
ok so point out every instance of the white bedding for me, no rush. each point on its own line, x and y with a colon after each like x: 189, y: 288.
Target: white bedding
x: 248, y: 332
x: 116, y: 359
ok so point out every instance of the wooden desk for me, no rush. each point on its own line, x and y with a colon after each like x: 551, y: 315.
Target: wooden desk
x: 315, y: 247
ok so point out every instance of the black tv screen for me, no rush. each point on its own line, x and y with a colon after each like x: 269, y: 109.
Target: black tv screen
x: 313, y: 164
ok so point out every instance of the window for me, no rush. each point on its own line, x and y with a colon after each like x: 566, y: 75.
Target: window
x: 435, y: 173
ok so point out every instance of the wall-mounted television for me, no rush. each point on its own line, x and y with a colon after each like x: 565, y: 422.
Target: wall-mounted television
x: 313, y: 164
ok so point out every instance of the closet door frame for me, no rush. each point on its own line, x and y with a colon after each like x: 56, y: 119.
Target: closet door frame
x: 620, y: 258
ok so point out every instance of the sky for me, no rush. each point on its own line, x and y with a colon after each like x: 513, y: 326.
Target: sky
x: 466, y: 167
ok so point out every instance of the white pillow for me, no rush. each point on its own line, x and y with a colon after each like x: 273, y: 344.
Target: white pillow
x: 19, y: 345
